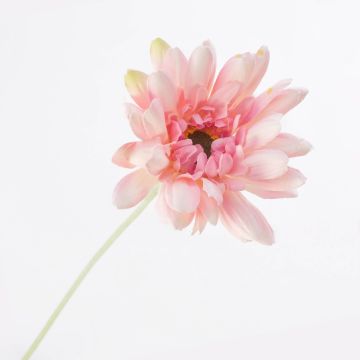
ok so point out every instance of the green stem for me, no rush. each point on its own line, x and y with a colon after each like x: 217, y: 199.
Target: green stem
x: 110, y: 241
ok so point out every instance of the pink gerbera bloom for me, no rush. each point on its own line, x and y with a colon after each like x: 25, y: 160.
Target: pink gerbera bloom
x: 207, y: 139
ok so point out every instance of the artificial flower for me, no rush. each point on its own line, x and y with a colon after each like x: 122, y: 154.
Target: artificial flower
x: 207, y: 139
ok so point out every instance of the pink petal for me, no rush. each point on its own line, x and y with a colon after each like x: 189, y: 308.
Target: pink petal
x: 212, y: 190
x: 185, y: 153
x: 141, y: 152
x: 287, y: 99
x: 158, y: 50
x: 209, y: 208
x: 264, y: 99
x: 200, y: 163
x: 211, y: 167
x: 136, y: 120
x: 225, y: 164
x: 225, y: 94
x: 174, y: 66
x: 263, y: 131
x: 238, y: 68
x: 245, y: 221
x: 175, y: 131
x: 122, y: 155
x: 182, y: 195
x: 136, y: 84
x: 162, y: 88
x: 291, y: 145
x: 179, y: 144
x: 133, y: 188
x: 201, y: 68
x: 223, y: 144
x: 260, y: 66
x: 238, y: 164
x: 154, y: 121
x: 234, y: 184
x: 149, y: 154
x: 283, y: 186
x: 200, y: 223
x: 262, y: 107
x: 266, y: 164
x: 158, y: 161
x: 197, y: 95
x: 178, y: 220
x: 240, y: 136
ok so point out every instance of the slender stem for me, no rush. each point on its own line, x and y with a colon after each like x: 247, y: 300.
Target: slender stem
x: 107, y: 244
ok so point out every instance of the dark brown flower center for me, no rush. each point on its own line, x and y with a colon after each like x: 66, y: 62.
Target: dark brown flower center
x: 203, y: 139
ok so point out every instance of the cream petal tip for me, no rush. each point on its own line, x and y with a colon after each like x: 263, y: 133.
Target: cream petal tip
x: 159, y: 43
x: 133, y: 77
x: 158, y: 49
x: 262, y: 51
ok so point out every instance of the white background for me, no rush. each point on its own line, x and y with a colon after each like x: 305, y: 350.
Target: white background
x: 159, y: 293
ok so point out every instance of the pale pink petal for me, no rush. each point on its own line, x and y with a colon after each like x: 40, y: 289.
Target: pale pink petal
x: 136, y: 153
x: 238, y: 165
x: 213, y: 190
x: 285, y: 101
x: 259, y: 105
x: 261, y: 63
x: 209, y: 208
x: 174, y: 66
x: 154, y: 121
x: 136, y: 120
x: 185, y: 153
x: 158, y: 50
x: 245, y: 221
x: 233, y: 183
x: 266, y: 164
x: 122, y: 155
x: 133, y: 188
x: 239, y: 168
x: 201, y: 68
x: 158, y: 161
x: 211, y: 167
x: 200, y: 223
x: 283, y: 186
x: 225, y: 144
x: 236, y: 123
x: 240, y: 136
x: 141, y: 152
x: 291, y: 145
x: 182, y: 195
x: 178, y: 220
x: 263, y: 131
x: 238, y: 68
x: 200, y: 163
x: 268, y: 194
x: 234, y: 227
x: 179, y: 144
x: 225, y: 94
x: 197, y: 95
x: 151, y: 155
x: 225, y: 164
x: 136, y: 84
x: 162, y: 88
x: 175, y: 131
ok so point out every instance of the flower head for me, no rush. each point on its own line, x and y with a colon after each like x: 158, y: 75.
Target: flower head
x: 207, y: 140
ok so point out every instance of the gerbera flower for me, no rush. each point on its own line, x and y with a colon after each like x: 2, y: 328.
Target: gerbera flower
x: 207, y: 140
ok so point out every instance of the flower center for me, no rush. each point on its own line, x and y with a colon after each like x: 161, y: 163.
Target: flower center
x: 203, y: 139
